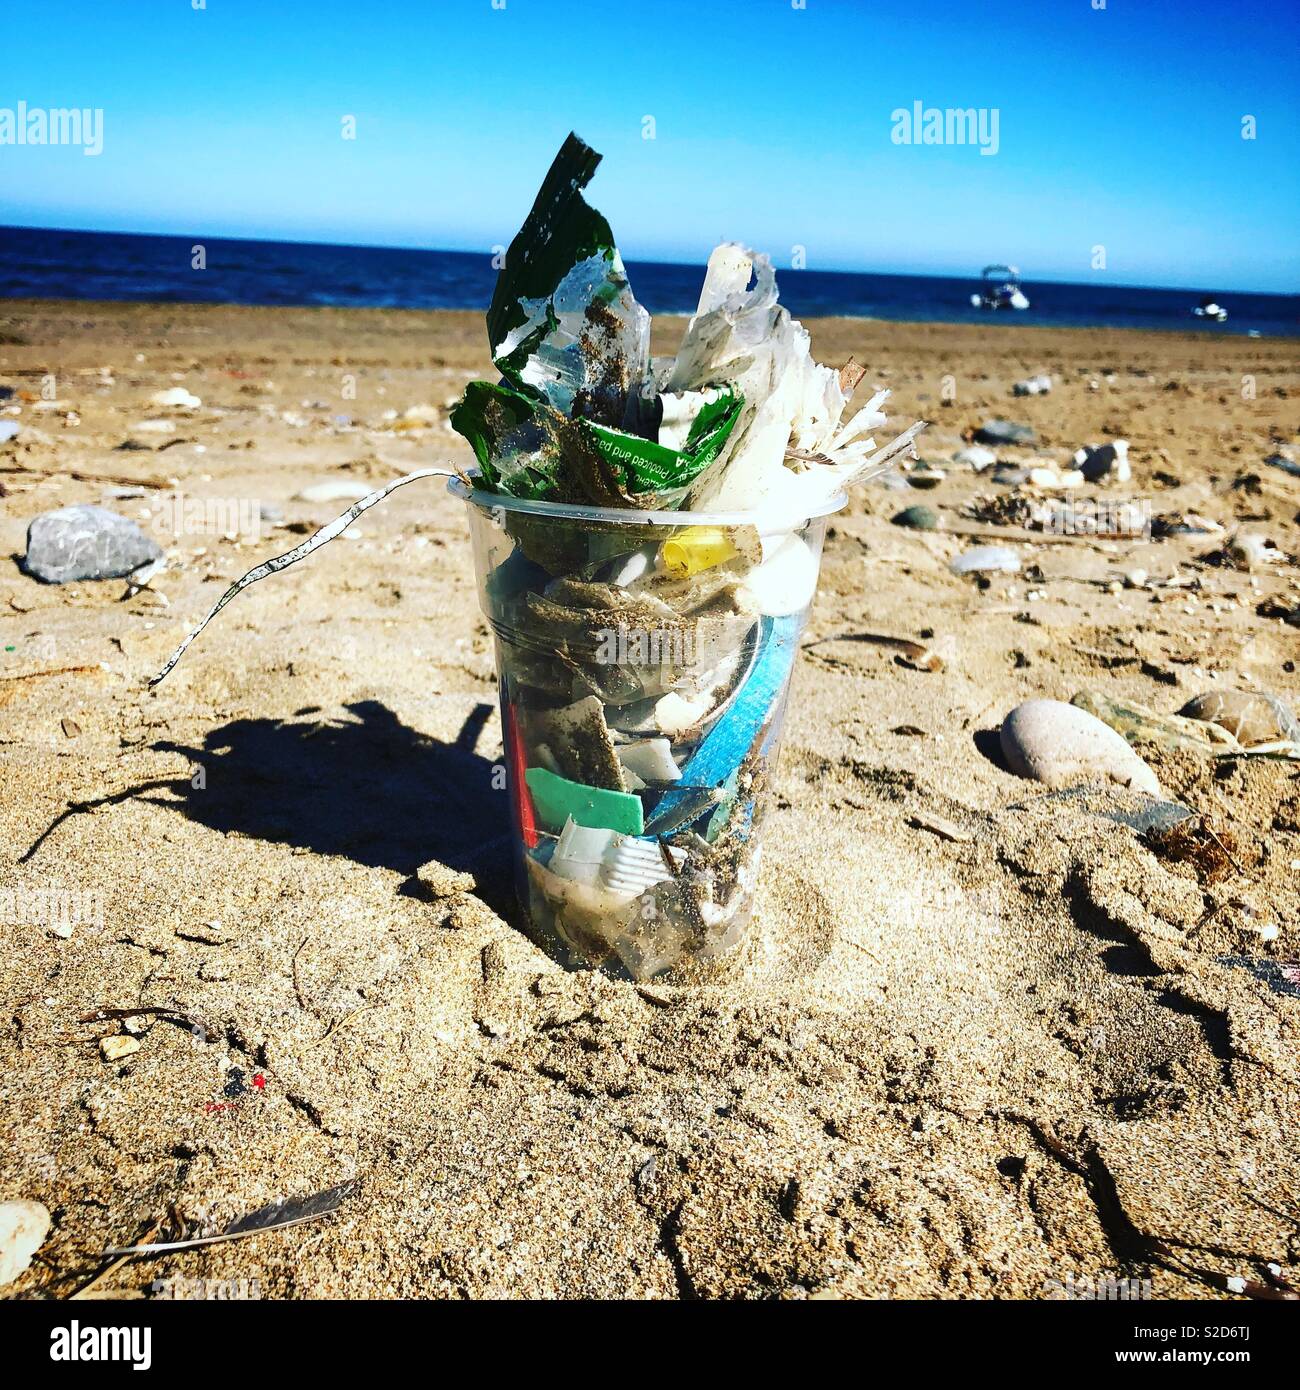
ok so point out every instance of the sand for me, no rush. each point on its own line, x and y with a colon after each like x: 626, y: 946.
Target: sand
x: 984, y: 1042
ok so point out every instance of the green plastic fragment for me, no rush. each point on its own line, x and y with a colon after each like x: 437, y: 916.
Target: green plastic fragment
x: 648, y: 466
x: 526, y: 449
x: 556, y: 798
x: 560, y: 231
x: 514, y: 438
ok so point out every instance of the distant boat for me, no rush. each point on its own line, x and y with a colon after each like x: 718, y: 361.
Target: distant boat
x: 1210, y: 308
x: 1001, y: 289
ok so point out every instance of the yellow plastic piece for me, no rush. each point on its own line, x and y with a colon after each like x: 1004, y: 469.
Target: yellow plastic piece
x: 697, y: 548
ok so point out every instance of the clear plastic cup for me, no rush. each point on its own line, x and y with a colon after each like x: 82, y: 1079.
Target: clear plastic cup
x: 644, y: 661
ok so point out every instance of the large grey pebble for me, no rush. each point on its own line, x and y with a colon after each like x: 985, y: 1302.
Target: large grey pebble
x: 1249, y: 717
x: 1059, y: 744
x: 984, y: 559
x: 23, y: 1227
x: 85, y: 542
x: 1005, y: 432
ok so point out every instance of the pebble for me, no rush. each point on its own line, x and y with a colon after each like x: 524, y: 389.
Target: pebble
x: 1058, y: 744
x: 1052, y: 479
x: 8, y: 430
x: 917, y: 518
x: 118, y: 1046
x: 85, y: 542
x: 177, y: 397
x: 924, y: 476
x: 977, y: 457
x: 1008, y: 475
x: 154, y: 427
x: 985, y: 559
x: 1038, y: 385
x: 1250, y: 718
x: 23, y: 1228
x: 1005, y: 432
x: 334, y: 492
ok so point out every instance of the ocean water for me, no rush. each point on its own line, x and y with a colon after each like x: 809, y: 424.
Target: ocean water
x: 42, y: 263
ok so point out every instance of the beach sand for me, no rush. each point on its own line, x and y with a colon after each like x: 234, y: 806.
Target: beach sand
x: 985, y: 1043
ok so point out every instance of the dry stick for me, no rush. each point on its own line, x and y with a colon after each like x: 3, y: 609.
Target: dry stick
x: 84, y: 1290
x: 118, y: 479
x: 1028, y: 537
x: 1214, y: 836
x: 299, y: 552
x: 54, y: 671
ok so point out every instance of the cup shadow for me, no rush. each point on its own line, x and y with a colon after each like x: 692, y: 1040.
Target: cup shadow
x: 371, y: 789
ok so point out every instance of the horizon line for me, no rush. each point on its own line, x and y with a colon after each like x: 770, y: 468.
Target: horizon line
x: 973, y: 275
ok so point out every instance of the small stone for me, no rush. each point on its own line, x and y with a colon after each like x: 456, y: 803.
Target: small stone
x: 177, y: 397
x: 1009, y: 475
x: 923, y: 476
x: 976, y: 457
x: 8, y: 430
x: 23, y: 1228
x: 1038, y: 385
x: 138, y: 1024
x: 1058, y: 744
x: 1136, y: 579
x: 1005, y: 432
x: 986, y: 559
x: 118, y: 1046
x: 1249, y: 718
x: 340, y: 491
x: 917, y: 518
x: 85, y: 542
x: 436, y: 881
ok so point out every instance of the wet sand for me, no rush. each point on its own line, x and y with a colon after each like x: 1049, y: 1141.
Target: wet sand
x: 986, y: 1041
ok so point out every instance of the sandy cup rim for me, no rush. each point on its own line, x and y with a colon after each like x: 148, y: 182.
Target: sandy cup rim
x: 764, y: 522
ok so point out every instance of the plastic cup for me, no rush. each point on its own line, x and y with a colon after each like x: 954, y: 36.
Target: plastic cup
x: 644, y: 662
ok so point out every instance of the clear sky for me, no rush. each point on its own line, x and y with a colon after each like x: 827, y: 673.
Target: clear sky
x: 1118, y: 127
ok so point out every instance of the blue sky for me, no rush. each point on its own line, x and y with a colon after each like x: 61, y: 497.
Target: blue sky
x: 1118, y: 127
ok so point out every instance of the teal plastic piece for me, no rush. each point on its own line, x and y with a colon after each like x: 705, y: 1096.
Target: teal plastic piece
x: 555, y: 799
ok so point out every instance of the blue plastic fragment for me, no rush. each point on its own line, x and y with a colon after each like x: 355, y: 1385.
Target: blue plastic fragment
x: 728, y: 743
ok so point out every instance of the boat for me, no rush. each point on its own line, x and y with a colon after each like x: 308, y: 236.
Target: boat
x: 1210, y: 308
x: 1000, y: 290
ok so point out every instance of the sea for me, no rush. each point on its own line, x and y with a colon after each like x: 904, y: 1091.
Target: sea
x: 43, y: 263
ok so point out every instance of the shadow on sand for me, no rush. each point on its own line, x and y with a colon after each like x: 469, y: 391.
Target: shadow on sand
x: 374, y: 790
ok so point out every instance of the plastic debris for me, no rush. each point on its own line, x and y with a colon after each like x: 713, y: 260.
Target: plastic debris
x: 557, y: 800
x: 1107, y: 462
x: 741, y: 419
x: 985, y: 559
